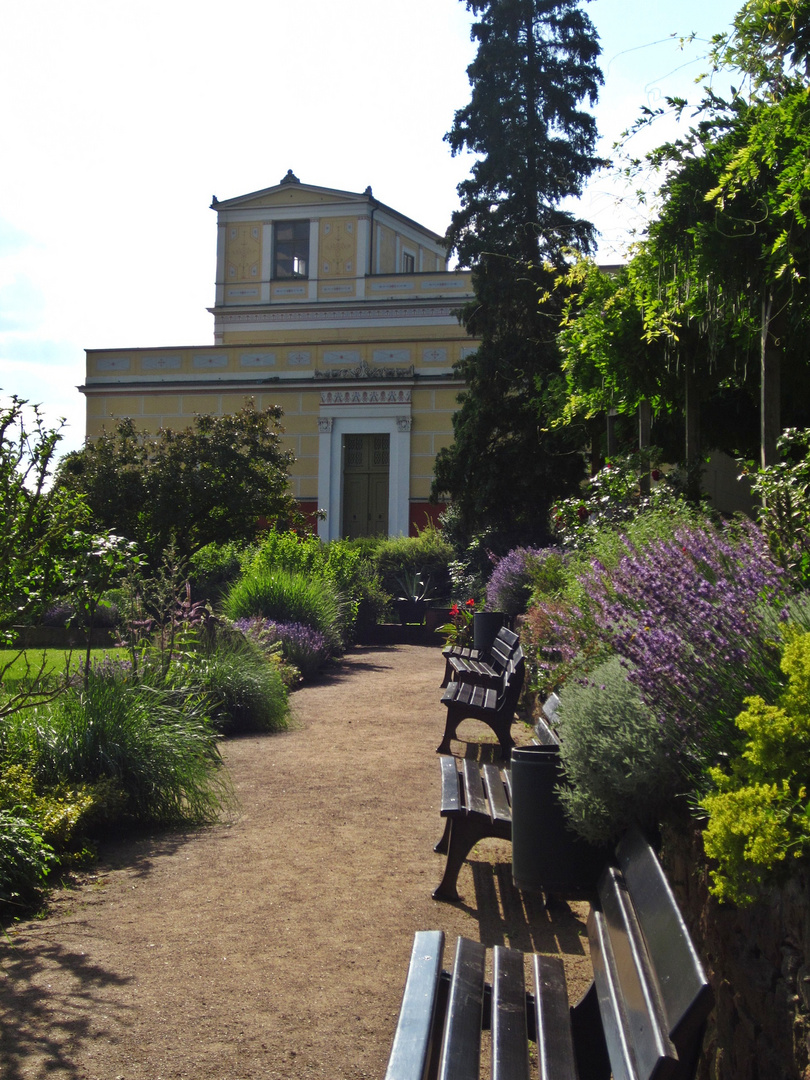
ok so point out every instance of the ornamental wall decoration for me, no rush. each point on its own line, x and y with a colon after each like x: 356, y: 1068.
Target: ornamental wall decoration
x: 365, y: 371
x: 377, y: 396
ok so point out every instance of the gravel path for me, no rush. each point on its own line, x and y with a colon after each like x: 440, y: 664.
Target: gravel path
x: 275, y: 946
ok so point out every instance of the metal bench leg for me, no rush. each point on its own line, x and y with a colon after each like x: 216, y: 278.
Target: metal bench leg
x: 503, y: 729
x: 450, y: 729
x: 465, y: 832
x: 441, y: 847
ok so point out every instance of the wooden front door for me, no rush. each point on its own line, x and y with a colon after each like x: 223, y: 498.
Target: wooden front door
x: 365, y: 485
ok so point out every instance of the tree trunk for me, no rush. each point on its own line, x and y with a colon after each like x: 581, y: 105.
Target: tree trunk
x: 644, y: 428
x: 692, y: 430
x: 770, y: 386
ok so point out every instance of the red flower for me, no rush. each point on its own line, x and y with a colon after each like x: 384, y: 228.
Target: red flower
x: 655, y: 474
x: 454, y: 610
x: 470, y: 602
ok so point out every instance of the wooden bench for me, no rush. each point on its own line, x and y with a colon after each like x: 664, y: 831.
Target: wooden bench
x: 493, y: 705
x: 476, y: 804
x: 470, y: 665
x: 642, y: 1018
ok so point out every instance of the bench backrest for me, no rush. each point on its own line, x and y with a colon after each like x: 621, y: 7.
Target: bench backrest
x: 512, y: 682
x: 503, y: 648
x: 653, y: 994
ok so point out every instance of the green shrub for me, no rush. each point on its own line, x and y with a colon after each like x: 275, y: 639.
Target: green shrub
x: 62, y: 814
x: 25, y: 859
x: 759, y: 810
x: 287, y: 597
x: 427, y: 554
x: 158, y: 747
x: 245, y: 689
x: 213, y: 568
x: 615, y: 756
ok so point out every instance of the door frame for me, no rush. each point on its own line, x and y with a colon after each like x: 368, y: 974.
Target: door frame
x: 393, y: 420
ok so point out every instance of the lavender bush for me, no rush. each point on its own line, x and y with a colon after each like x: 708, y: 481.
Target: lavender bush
x: 520, y: 572
x: 694, y: 622
x: 302, y: 646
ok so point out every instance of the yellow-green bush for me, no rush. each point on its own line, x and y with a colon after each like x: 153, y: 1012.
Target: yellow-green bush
x: 759, y: 813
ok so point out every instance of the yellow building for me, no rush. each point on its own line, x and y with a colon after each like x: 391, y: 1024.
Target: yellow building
x: 338, y: 309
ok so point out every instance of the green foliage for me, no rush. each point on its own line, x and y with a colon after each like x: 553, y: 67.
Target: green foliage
x: 156, y: 746
x: 287, y: 596
x: 607, y: 361
x: 33, y: 518
x: 617, y: 760
x: 212, y: 482
x: 399, y: 560
x: 25, y: 859
x: 759, y: 810
x: 213, y: 567
x: 624, y: 489
x: 534, y: 146
x: 784, y: 516
x: 343, y: 565
x: 244, y: 689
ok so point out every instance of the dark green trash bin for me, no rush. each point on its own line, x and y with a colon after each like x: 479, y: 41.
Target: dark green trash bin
x: 547, y: 856
x: 486, y: 625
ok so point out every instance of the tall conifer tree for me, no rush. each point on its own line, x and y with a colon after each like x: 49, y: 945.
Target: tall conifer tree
x: 535, y: 66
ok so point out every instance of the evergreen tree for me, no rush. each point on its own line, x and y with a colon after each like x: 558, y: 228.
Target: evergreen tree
x: 535, y: 66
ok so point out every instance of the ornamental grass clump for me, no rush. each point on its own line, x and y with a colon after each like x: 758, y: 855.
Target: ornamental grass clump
x: 287, y: 597
x: 157, y: 747
x: 243, y: 689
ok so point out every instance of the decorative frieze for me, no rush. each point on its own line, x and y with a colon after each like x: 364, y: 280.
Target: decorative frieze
x: 364, y: 371
x: 373, y: 396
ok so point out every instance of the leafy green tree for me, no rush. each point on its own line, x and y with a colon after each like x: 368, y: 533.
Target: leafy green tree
x: 534, y: 144
x: 728, y: 250
x: 212, y: 482
x: 36, y: 519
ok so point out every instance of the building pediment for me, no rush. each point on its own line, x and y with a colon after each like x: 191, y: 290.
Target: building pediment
x: 291, y: 192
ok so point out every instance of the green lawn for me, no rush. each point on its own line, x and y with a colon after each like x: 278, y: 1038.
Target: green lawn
x: 26, y: 663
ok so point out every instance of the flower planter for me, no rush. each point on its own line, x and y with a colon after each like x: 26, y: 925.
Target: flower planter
x: 547, y: 856
x: 411, y: 611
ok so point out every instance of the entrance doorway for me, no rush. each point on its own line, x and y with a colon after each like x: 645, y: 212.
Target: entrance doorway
x: 366, y: 461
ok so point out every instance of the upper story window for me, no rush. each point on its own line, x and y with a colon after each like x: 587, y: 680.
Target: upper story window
x: 291, y: 240
x: 407, y: 262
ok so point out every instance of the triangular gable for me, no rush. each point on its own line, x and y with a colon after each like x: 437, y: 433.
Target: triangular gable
x: 291, y: 192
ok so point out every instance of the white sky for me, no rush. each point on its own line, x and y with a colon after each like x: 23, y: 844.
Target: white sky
x: 122, y: 119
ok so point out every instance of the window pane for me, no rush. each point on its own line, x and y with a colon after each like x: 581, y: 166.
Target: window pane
x: 292, y: 249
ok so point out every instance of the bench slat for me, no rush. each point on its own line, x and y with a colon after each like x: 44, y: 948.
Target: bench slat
x: 410, y: 1054
x: 510, y: 1040
x: 461, y: 1046
x: 499, y: 808
x: 474, y: 788
x: 624, y: 978
x: 555, y: 1046
x: 451, y: 788
x: 685, y: 991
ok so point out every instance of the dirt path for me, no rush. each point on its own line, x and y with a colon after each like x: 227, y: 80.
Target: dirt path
x: 277, y: 946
